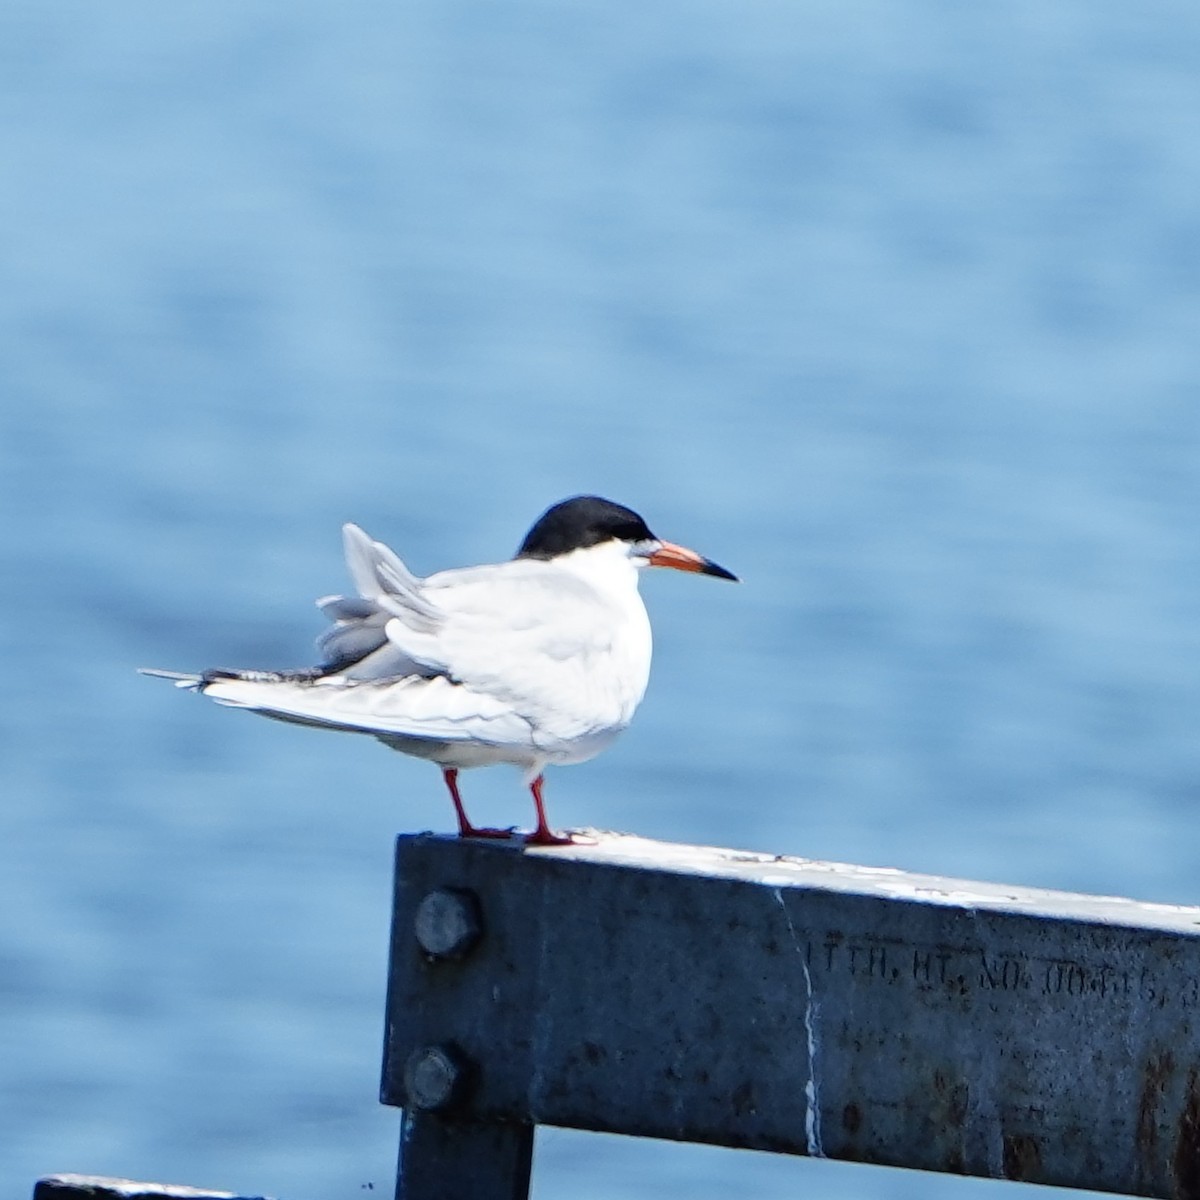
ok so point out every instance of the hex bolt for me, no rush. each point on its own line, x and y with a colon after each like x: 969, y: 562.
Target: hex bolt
x: 447, y: 923
x: 434, y: 1077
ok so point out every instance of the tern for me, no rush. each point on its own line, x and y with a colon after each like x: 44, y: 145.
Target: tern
x: 537, y: 661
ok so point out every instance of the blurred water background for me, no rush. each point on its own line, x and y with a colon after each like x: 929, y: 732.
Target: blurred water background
x: 892, y: 308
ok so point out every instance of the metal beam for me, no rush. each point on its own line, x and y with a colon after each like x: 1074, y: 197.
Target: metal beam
x: 802, y: 1007
x: 102, y: 1187
x: 449, y: 1159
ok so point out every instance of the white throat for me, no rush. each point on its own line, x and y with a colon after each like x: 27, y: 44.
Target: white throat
x: 609, y: 567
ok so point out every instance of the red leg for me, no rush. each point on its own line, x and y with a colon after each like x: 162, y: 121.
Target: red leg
x: 465, y: 828
x: 543, y: 835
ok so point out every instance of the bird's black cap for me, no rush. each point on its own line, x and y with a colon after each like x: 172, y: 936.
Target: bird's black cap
x: 581, y: 522
x: 585, y: 521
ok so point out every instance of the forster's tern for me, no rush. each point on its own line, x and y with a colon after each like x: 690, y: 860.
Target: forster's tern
x: 537, y: 661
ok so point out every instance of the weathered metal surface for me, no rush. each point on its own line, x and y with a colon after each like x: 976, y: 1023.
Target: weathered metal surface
x: 810, y: 1008
x: 99, y: 1187
x: 447, y: 1159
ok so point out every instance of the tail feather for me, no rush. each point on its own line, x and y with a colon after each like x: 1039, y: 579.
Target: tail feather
x: 356, y: 645
x: 193, y: 682
x: 299, y: 675
x: 182, y: 679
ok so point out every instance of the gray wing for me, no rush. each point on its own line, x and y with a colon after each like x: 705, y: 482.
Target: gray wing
x: 357, y: 644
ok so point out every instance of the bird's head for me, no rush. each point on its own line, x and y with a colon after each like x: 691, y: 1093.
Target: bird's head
x: 586, y: 521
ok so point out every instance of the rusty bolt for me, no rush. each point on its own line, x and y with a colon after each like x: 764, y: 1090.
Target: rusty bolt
x: 447, y: 923
x: 434, y: 1077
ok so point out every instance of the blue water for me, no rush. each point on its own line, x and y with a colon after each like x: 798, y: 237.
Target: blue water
x: 891, y: 308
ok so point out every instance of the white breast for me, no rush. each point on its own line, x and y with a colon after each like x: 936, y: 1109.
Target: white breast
x: 566, y: 643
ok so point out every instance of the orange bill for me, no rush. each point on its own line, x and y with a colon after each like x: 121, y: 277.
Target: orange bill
x: 682, y: 559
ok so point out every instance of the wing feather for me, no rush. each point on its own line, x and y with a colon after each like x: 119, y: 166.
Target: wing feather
x: 428, y: 709
x: 379, y: 575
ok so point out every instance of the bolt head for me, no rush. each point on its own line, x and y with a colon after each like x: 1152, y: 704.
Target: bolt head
x: 434, y: 1078
x: 447, y: 923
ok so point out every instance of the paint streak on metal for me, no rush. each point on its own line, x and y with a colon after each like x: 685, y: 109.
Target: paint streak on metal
x: 1022, y: 1156
x: 1186, y: 1163
x: 1157, y: 1075
x: 812, y: 1095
